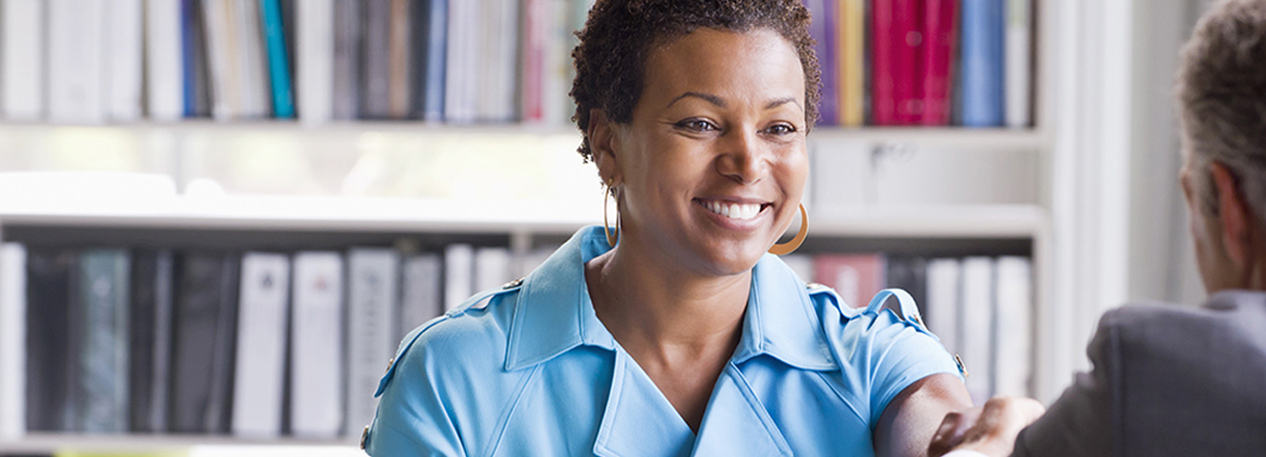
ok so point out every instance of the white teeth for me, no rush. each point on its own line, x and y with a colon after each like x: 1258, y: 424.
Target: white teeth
x: 733, y: 210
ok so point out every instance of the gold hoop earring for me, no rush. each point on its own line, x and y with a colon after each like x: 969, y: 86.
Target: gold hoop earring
x: 606, y: 196
x: 791, y: 246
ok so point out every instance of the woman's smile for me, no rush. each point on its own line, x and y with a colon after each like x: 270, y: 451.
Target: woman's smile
x: 742, y: 214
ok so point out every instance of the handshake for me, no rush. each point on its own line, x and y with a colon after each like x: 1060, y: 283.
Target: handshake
x: 990, y: 430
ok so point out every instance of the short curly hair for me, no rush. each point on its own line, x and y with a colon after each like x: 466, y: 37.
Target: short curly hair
x: 619, y: 35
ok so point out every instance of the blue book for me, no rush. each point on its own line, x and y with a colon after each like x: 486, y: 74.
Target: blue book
x: 188, y: 33
x: 434, y: 33
x: 823, y: 30
x: 278, y: 63
x: 983, y: 41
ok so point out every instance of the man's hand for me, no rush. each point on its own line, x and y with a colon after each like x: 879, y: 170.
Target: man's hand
x: 990, y: 430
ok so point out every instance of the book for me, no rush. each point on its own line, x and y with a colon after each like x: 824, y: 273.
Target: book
x: 314, y: 74
x: 221, y: 58
x: 372, y: 323
x: 978, y: 325
x: 23, y: 54
x: 164, y: 60
x: 1014, y: 326
x: 259, y: 378
x: 942, y: 310
x: 851, y: 64
x: 376, y: 73
x: 432, y: 43
x: 855, y: 277
x: 203, y: 342
x: 195, y: 68
x: 152, y: 293
x: 400, y: 54
x: 459, y: 270
x: 940, y: 35
x: 316, y: 344
x: 421, y: 291
x: 492, y: 268
x: 247, y: 44
x: 123, y: 60
x: 348, y: 43
x: 908, y: 45
x: 52, y: 280
x: 1018, y: 62
x: 277, y: 58
x: 505, y: 53
x: 910, y: 274
x: 97, y: 401
x: 461, y: 67
x: 12, y: 340
x: 823, y: 30
x: 76, y: 61
x: 981, y: 63
x: 537, y: 29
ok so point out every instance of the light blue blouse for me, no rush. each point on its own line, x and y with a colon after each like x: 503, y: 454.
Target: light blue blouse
x: 530, y: 370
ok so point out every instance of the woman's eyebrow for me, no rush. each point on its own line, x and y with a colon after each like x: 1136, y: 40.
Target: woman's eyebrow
x: 782, y: 101
x: 713, y: 99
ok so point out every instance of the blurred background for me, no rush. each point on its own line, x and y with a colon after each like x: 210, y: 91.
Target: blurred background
x: 219, y: 217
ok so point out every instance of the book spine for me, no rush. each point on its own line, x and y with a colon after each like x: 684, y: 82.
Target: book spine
x: 981, y: 63
x: 908, y: 72
x: 855, y: 277
x: 375, y: 88
x: 823, y: 30
x: 851, y: 66
x: 436, y: 61
x: 1013, y: 328
x: 420, y: 296
x: 251, y: 59
x: 977, y: 326
x: 882, y: 63
x: 348, y: 39
x: 164, y: 60
x: 399, y: 59
x: 12, y: 340
x: 194, y: 333
x: 315, y: 71
x: 459, y: 265
x: 317, y: 367
x: 940, y: 35
x: 220, y: 59
x: 259, y: 379
x: 532, y: 48
x: 492, y: 268
x: 51, y: 284
x: 278, y: 60
x: 75, y: 61
x: 373, y: 276
x: 101, y: 387
x: 23, y: 54
x: 1019, y: 64
x: 122, y: 56
x: 943, y: 302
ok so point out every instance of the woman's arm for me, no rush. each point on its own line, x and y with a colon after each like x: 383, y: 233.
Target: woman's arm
x: 910, y: 419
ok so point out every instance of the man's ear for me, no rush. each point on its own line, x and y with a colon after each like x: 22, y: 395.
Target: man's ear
x: 1234, y: 215
x: 603, y: 145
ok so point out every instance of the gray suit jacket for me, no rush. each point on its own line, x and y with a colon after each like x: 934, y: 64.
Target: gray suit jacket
x: 1167, y: 380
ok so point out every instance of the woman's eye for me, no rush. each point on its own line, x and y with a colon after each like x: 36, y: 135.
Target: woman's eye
x: 696, y: 125
x: 780, y: 129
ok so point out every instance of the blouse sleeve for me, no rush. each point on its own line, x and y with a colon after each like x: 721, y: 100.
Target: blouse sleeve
x: 884, y: 353
x: 412, y: 418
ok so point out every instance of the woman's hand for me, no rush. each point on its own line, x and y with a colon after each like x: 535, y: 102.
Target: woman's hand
x: 990, y: 430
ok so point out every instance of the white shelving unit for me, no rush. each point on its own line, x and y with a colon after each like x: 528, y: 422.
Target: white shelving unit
x: 387, y: 203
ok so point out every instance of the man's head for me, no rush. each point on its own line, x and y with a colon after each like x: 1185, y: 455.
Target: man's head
x: 1222, y: 97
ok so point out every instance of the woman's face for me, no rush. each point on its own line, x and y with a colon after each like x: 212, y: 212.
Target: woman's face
x: 712, y: 165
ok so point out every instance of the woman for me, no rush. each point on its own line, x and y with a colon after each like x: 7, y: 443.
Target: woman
x: 674, y: 333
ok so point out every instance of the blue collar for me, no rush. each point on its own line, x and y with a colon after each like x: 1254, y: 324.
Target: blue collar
x: 555, y: 313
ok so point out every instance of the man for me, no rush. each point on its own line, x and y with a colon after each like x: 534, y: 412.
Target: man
x: 1170, y: 380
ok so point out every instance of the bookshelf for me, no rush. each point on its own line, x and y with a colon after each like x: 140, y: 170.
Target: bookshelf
x: 260, y: 209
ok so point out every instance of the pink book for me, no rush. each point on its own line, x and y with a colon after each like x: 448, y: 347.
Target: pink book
x: 897, y: 39
x: 882, y: 82
x: 856, y: 277
x: 940, y: 32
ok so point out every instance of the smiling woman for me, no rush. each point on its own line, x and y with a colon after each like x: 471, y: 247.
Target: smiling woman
x: 680, y: 335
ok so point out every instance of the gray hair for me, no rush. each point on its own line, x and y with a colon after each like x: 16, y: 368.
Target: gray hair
x: 1222, y: 100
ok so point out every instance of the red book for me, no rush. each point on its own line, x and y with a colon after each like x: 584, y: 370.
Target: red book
x: 940, y: 33
x: 896, y: 44
x: 856, y: 277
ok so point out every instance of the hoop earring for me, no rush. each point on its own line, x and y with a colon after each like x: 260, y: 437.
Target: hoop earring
x: 606, y: 196
x: 791, y: 246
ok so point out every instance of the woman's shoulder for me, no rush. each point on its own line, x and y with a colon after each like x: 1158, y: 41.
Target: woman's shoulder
x: 469, y: 339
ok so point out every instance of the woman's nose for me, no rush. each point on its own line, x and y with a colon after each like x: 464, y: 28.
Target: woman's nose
x: 742, y: 158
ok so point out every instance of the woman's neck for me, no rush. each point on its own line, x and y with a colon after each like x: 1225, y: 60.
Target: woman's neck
x: 671, y: 315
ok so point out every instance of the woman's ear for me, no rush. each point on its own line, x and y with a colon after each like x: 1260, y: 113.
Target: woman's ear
x: 1234, y: 216
x: 603, y: 145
